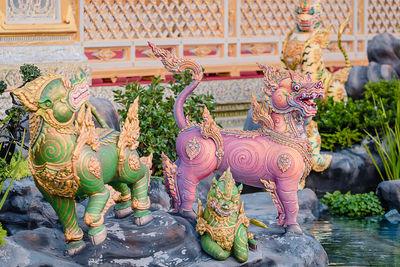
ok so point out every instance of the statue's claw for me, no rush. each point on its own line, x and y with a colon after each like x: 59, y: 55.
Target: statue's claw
x: 140, y: 221
x: 123, y: 213
x: 74, y: 247
x: 122, y: 210
x: 294, y: 229
x: 97, y: 234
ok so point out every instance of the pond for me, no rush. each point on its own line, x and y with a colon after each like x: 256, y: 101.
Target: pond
x: 358, y: 242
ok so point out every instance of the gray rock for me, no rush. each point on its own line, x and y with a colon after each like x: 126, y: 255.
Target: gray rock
x: 158, y: 196
x: 359, y: 76
x: 259, y: 206
x: 384, y: 48
x: 389, y: 194
x: 107, y: 111
x: 167, y: 240
x: 384, y: 63
x: 392, y: 216
x: 171, y: 241
x: 351, y: 169
x: 14, y: 254
x: 249, y: 124
x: 25, y: 208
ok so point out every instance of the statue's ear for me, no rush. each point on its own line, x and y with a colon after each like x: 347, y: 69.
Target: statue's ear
x: 240, y: 188
x: 45, y: 102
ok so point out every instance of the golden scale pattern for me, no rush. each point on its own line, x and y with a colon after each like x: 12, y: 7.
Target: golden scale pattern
x: 383, y: 16
x: 266, y: 17
x: 143, y: 19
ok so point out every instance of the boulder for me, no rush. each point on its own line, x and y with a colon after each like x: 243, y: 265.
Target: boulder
x: 359, y: 76
x: 389, y: 194
x: 392, y: 216
x: 167, y: 240
x: 249, y: 124
x: 384, y: 48
x: 26, y: 208
x: 106, y: 111
x: 170, y: 240
x: 351, y: 169
x: 159, y: 198
x: 384, y: 63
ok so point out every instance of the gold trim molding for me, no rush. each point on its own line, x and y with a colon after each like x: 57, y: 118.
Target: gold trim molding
x: 67, y: 26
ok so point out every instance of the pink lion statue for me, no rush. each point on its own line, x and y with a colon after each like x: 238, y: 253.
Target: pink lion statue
x: 277, y: 157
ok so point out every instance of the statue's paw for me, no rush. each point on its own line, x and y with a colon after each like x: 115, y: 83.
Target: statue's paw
x: 294, y: 229
x: 188, y: 214
x: 122, y: 213
x: 97, y: 234
x: 143, y: 220
x: 74, y: 247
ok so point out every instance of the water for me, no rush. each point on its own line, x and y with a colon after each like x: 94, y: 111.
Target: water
x: 358, y: 242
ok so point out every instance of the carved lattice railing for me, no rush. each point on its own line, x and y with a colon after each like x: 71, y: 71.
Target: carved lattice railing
x: 224, y: 35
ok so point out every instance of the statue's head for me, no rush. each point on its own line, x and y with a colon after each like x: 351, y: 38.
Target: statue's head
x: 224, y: 195
x: 308, y: 15
x: 288, y: 91
x: 53, y: 97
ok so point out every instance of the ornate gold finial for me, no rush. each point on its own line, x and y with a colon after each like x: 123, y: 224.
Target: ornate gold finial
x: 175, y: 64
x: 261, y: 113
x: 130, y: 131
x: 307, y: 4
x: 229, y: 183
x: 272, y: 77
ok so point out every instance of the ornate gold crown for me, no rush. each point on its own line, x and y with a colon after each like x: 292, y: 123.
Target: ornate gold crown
x: 307, y: 4
x: 229, y: 183
x: 273, y: 76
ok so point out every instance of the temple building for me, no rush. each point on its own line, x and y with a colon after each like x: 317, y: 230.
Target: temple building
x: 107, y: 40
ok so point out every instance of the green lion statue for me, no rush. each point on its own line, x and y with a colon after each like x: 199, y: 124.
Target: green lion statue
x: 223, y: 224
x: 69, y: 157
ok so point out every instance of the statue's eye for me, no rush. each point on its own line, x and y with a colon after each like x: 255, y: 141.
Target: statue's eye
x: 296, y: 86
x: 311, y: 11
x: 236, y: 201
x: 217, y: 195
x: 299, y: 11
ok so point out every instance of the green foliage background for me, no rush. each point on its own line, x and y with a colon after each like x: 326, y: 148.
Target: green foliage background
x: 342, y: 125
x: 158, y: 129
x: 357, y: 205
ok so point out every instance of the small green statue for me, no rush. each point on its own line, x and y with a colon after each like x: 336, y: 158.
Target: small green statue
x: 223, y: 224
x: 69, y: 157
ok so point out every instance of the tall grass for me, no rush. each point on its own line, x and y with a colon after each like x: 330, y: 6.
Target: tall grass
x: 10, y: 171
x: 388, y: 145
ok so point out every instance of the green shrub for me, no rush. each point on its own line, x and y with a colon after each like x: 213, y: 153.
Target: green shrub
x: 9, y: 171
x: 29, y: 72
x: 342, y: 125
x: 158, y: 129
x: 357, y: 205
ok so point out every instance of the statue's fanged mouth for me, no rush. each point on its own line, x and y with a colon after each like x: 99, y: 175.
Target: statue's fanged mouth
x: 308, y: 100
x: 221, y: 211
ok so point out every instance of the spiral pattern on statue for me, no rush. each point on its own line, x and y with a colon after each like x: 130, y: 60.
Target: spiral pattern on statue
x: 54, y: 151
x: 243, y: 158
